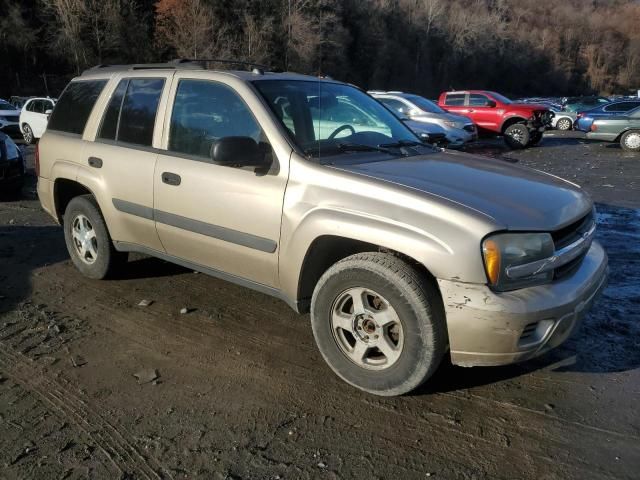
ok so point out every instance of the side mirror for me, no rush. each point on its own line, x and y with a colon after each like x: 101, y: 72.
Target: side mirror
x: 238, y: 152
x: 491, y: 104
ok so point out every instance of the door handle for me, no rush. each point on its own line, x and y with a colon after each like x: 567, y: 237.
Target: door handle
x: 471, y: 111
x: 95, y: 162
x: 171, y: 178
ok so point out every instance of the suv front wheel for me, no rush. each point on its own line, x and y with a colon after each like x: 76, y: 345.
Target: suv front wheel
x: 378, y: 324
x: 517, y: 136
x: 88, y: 240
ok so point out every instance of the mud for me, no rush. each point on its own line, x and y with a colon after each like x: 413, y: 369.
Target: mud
x: 94, y: 384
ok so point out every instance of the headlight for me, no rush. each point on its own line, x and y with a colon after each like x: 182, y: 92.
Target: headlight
x: 505, y: 250
x: 451, y: 124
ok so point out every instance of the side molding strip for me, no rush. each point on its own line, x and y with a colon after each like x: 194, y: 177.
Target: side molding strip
x: 133, y: 208
x: 196, y: 226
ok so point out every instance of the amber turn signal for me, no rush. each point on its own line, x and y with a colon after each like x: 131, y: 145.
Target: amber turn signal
x: 491, y: 253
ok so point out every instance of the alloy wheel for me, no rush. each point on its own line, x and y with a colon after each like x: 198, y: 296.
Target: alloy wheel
x: 85, y: 239
x: 367, y: 328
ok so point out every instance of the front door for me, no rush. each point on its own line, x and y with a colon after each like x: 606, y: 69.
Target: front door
x: 224, y: 218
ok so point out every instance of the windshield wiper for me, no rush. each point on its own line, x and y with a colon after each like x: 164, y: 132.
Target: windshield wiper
x: 360, y: 147
x: 402, y: 143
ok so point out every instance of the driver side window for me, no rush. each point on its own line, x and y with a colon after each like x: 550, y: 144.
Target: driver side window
x: 205, y: 111
x: 478, y: 100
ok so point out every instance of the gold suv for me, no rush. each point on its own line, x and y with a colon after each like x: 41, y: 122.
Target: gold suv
x: 310, y: 190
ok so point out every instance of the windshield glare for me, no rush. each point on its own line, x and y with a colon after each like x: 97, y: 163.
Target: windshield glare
x: 424, y: 104
x: 322, y: 117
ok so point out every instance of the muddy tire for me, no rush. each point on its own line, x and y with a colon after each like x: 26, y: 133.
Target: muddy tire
x: 630, y: 141
x: 27, y: 134
x: 517, y: 136
x: 564, y: 124
x: 88, y: 240
x: 379, y: 323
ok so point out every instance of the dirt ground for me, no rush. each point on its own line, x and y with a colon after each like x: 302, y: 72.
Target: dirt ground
x: 92, y: 385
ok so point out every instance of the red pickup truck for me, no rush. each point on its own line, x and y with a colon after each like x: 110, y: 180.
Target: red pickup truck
x: 521, y: 124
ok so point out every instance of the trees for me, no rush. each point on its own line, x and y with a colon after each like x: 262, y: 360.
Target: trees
x: 425, y: 46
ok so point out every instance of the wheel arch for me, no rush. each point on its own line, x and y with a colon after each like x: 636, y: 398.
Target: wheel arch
x: 628, y: 129
x: 326, y: 250
x: 510, y: 121
x: 65, y: 190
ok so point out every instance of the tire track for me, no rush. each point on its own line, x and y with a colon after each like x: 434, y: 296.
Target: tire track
x: 118, y: 451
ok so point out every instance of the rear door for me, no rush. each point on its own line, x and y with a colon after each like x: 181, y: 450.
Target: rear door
x: 223, y: 218
x: 123, y: 156
x: 456, y: 103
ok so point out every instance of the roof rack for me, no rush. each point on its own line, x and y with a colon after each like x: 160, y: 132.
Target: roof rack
x: 177, y: 64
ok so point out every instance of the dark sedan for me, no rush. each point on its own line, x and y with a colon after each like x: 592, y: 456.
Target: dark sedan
x: 586, y: 118
x: 12, y: 167
x: 618, y: 128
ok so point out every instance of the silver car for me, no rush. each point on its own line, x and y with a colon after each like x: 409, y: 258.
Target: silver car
x: 459, y: 130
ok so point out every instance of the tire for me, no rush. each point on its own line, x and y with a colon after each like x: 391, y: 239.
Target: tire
x: 413, y: 342
x: 517, y: 136
x: 630, y: 141
x: 535, y: 139
x: 27, y: 134
x: 564, y: 124
x: 100, y: 259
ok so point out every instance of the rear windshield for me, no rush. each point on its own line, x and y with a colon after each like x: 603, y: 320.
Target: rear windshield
x: 74, y: 107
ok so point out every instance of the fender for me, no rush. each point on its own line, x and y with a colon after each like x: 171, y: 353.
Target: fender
x: 414, y: 242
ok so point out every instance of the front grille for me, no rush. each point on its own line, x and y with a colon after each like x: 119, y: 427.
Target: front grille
x: 12, y: 118
x: 566, y: 236
x: 573, y: 231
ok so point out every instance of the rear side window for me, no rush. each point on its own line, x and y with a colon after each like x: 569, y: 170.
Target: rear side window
x: 74, y: 107
x: 454, y: 99
x: 621, y: 107
x: 131, y: 113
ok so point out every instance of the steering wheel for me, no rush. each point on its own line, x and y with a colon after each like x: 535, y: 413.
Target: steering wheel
x: 340, y: 129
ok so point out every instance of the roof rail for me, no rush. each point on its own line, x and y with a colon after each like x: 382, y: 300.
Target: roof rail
x: 177, y: 64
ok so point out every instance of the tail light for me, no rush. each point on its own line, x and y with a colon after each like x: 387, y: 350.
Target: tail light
x: 37, y: 160
x: 594, y: 127
x: 579, y: 115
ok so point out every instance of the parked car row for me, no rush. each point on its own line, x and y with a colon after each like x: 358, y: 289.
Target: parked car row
x: 25, y: 116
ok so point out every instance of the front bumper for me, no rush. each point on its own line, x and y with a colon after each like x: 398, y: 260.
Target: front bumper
x: 491, y: 328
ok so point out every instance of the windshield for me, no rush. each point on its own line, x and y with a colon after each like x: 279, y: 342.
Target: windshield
x: 324, y: 118
x: 6, y: 106
x: 424, y: 104
x: 500, y: 98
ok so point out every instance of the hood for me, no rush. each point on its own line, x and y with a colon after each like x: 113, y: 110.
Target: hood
x: 9, y: 113
x: 529, y: 106
x: 440, y: 117
x: 517, y: 198
x: 423, y: 127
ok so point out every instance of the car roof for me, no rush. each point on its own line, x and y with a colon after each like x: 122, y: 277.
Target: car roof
x: 106, y: 71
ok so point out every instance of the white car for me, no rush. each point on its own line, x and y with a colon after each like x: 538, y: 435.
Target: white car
x: 34, y: 117
x: 9, y: 117
x: 563, y: 120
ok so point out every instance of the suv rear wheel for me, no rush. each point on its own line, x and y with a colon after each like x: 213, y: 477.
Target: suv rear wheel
x: 88, y: 240
x: 378, y: 324
x: 630, y: 141
x: 517, y: 136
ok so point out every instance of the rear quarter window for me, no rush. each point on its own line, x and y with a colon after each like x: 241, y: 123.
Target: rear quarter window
x: 72, y: 111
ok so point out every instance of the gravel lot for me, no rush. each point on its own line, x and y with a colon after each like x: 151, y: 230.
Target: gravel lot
x: 93, y: 385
